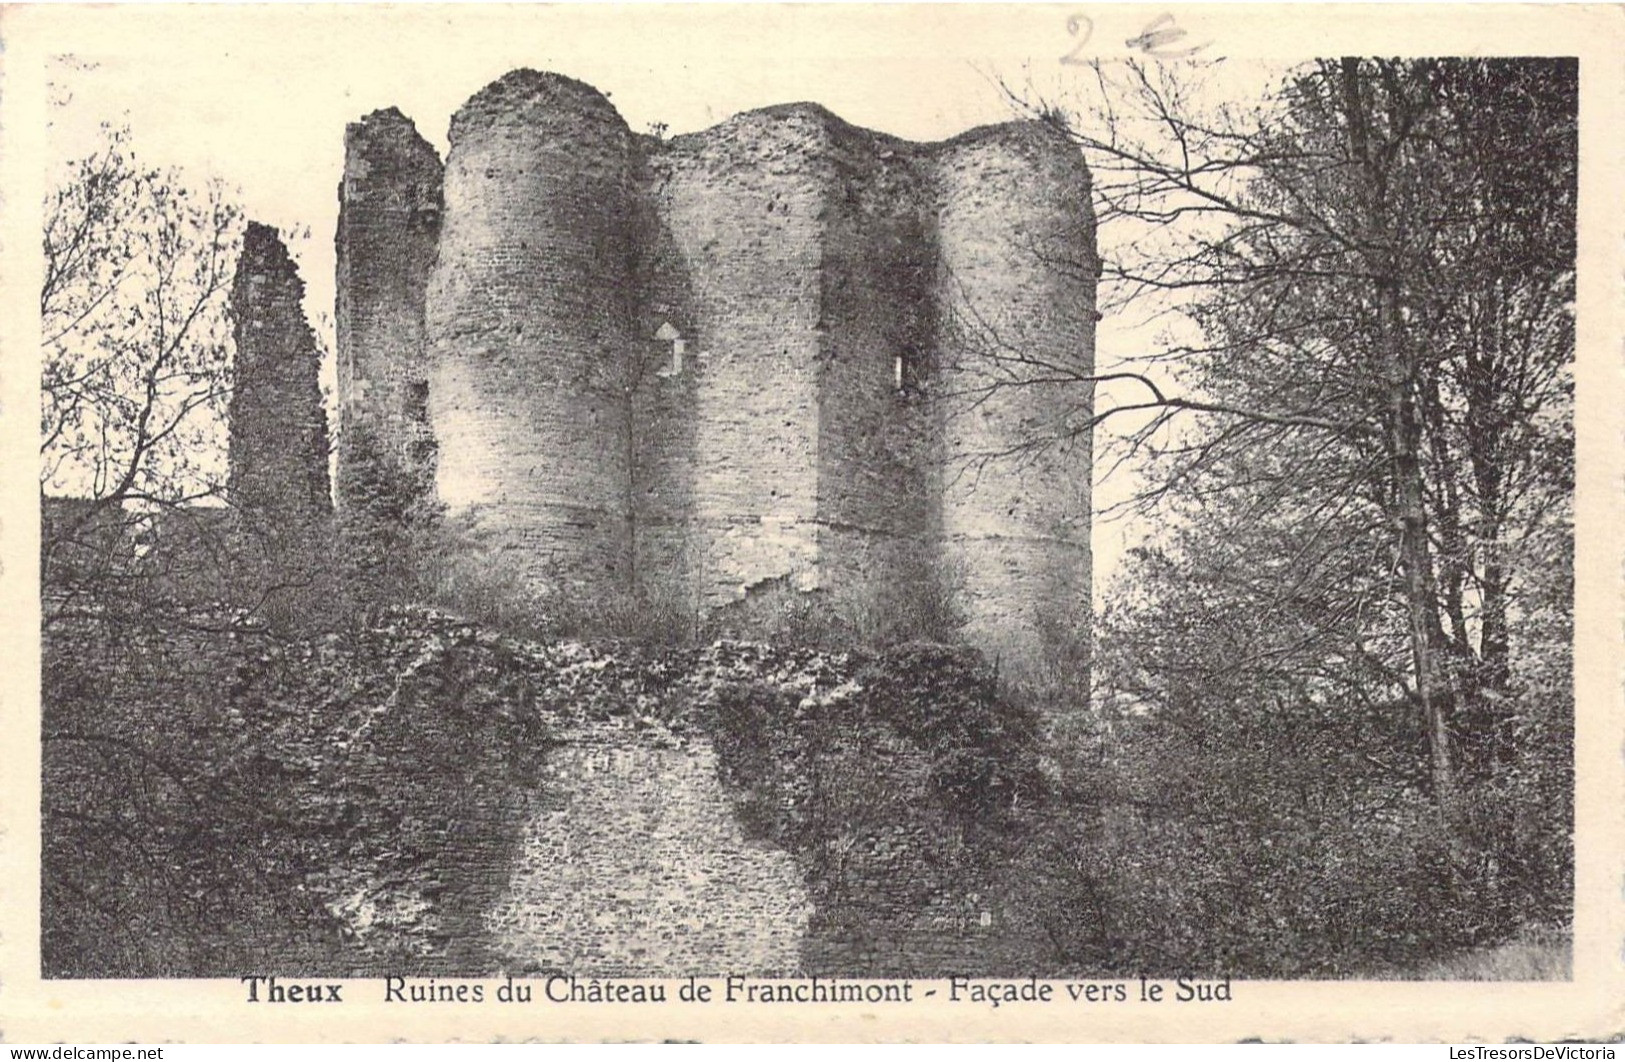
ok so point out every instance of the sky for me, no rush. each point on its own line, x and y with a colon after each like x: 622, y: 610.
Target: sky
x: 235, y: 97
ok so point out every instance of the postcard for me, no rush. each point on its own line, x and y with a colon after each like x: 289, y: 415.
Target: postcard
x: 812, y: 522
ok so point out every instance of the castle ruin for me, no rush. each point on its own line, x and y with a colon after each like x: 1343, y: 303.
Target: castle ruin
x: 278, y: 443
x: 782, y: 358
x: 782, y: 354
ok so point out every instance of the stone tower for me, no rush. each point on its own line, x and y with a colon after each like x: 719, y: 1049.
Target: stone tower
x: 1015, y: 304
x: 783, y: 355
x: 528, y: 313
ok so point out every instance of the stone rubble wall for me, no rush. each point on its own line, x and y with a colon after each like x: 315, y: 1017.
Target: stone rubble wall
x: 691, y: 896
x: 740, y: 808
x: 439, y: 799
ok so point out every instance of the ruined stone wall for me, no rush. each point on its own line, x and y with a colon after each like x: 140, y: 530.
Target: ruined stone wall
x: 388, y: 234
x: 278, y: 449
x: 1015, y: 299
x: 859, y: 321
x: 878, y: 440
x: 743, y: 206
x: 693, y: 896
x: 529, y: 318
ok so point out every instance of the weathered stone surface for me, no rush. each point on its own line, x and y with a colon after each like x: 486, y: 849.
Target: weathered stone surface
x: 278, y: 449
x: 879, y: 440
x: 528, y: 312
x: 691, y: 895
x: 745, y: 205
x: 388, y: 235
x: 781, y: 355
x: 1015, y: 304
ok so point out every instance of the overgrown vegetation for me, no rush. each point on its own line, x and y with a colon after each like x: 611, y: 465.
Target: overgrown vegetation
x: 353, y: 802
x: 1333, y: 718
x: 903, y: 793
x: 219, y: 797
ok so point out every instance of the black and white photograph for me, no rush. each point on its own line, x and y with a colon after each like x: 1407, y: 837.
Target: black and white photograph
x: 1042, y: 515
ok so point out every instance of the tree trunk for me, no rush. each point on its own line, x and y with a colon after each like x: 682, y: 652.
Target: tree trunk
x: 1404, y: 441
x: 1434, y: 694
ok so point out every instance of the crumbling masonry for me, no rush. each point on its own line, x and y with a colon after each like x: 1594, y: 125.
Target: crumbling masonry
x: 782, y: 353
x: 278, y: 442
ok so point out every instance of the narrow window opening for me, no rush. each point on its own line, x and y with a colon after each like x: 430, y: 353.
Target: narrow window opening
x: 669, y: 334
x: 417, y: 400
x: 906, y: 371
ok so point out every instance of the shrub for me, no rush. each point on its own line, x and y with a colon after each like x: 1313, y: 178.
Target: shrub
x: 1285, y: 842
x: 221, y: 798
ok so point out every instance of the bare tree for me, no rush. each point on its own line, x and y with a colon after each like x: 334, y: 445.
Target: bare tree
x: 135, y: 346
x: 1370, y: 273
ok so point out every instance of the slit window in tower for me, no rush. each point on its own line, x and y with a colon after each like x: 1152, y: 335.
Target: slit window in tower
x: 668, y: 334
x: 906, y: 371
x: 417, y: 400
